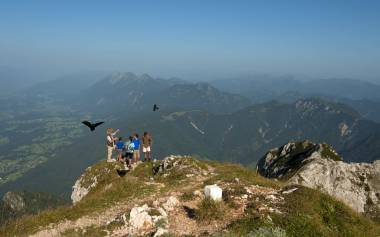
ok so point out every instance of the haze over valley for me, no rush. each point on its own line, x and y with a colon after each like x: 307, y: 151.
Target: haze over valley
x: 276, y: 104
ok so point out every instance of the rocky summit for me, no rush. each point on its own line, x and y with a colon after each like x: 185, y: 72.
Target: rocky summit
x: 180, y: 196
x: 318, y: 166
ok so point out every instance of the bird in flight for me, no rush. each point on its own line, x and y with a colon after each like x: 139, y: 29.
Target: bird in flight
x: 155, y: 107
x: 92, y: 126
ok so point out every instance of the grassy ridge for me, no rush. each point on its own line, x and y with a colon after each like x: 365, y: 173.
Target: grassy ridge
x: 305, y: 212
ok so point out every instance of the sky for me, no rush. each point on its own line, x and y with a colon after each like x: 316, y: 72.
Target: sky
x: 192, y: 39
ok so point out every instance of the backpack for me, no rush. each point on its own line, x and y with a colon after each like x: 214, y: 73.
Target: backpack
x: 130, y: 146
x: 108, y: 142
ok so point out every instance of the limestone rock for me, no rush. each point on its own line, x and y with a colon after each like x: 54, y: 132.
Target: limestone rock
x: 318, y: 166
x: 171, y: 203
x: 356, y: 184
x: 185, y: 164
x: 214, y: 192
x: 139, y: 219
x: 198, y: 193
x: 80, y: 190
x: 160, y: 232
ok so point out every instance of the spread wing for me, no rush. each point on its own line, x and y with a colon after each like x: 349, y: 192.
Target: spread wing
x: 97, y: 124
x: 87, y: 123
x: 155, y: 107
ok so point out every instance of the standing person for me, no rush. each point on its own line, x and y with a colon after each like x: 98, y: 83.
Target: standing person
x: 147, y: 143
x: 120, y: 146
x: 110, y: 143
x: 136, y: 151
x: 129, y: 149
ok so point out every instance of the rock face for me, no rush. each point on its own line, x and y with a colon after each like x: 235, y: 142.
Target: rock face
x: 14, y: 201
x: 94, y: 175
x: 318, y: 166
x: 81, y: 189
x: 283, y: 162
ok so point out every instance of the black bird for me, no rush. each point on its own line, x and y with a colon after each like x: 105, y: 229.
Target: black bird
x: 92, y: 126
x: 155, y: 107
x: 121, y: 173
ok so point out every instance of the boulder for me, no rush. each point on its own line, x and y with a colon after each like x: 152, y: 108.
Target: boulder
x: 356, y: 184
x: 213, y: 192
x: 171, y: 203
x: 139, y: 219
x: 160, y: 232
x: 318, y: 166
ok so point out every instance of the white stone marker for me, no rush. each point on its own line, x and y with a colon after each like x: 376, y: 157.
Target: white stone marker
x: 213, y: 192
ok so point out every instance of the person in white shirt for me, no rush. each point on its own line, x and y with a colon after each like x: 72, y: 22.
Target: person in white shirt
x: 110, y: 143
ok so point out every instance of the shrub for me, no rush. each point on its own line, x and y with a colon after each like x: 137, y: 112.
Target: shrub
x: 268, y: 232
x: 187, y: 196
x: 209, y: 210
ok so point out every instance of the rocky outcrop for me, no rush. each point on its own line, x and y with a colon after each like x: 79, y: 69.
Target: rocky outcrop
x: 90, y: 179
x: 140, y: 218
x: 14, y: 201
x: 83, y: 186
x: 143, y: 220
x: 318, y: 166
x: 15, y: 204
x: 168, y: 198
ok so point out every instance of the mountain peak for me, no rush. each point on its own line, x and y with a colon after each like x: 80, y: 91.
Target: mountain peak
x: 145, y: 76
x: 119, y: 76
x: 310, y: 106
x: 116, y: 77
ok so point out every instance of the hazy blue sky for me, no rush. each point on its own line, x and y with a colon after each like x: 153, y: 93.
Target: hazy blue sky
x: 317, y: 38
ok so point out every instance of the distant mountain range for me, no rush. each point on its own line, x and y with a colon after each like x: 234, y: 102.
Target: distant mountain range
x: 41, y: 137
x: 126, y: 93
x: 269, y: 88
x: 245, y: 135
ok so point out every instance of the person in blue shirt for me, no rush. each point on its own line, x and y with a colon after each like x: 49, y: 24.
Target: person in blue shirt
x: 129, y: 149
x: 120, y: 146
x: 136, y: 151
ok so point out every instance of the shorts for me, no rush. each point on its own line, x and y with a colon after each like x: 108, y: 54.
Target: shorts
x: 146, y: 149
x: 128, y: 155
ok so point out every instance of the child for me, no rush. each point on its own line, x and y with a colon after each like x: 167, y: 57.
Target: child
x: 136, y: 151
x: 120, y: 148
x: 129, y: 148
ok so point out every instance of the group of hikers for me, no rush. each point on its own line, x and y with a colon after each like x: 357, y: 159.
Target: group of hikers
x: 128, y: 150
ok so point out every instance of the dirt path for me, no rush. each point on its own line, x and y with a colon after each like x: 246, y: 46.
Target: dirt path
x: 179, y: 221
